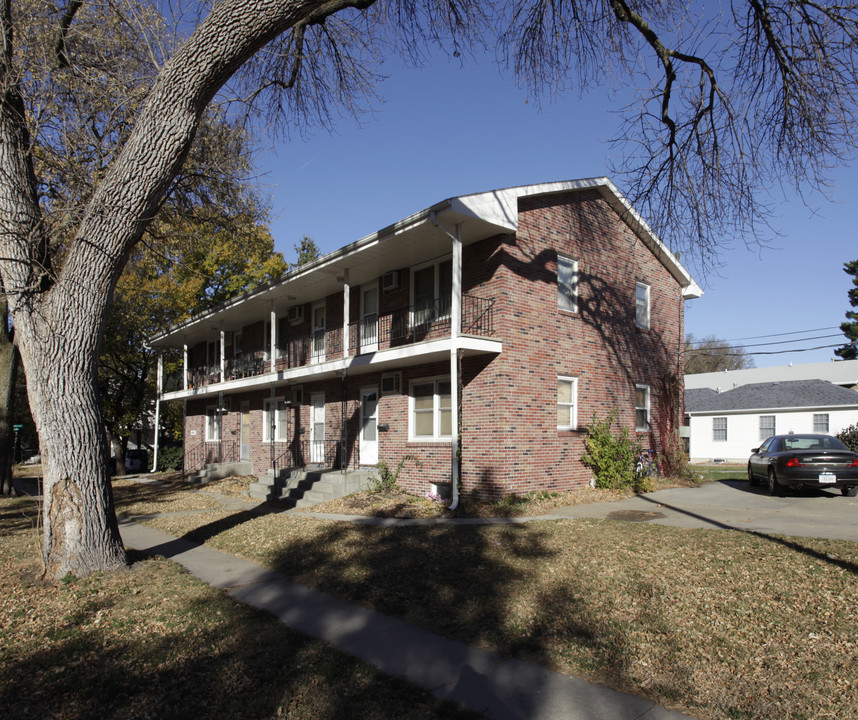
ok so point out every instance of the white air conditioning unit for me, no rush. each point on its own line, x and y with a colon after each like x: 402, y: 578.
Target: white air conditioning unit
x: 295, y: 314
x: 391, y: 383
x: 390, y: 280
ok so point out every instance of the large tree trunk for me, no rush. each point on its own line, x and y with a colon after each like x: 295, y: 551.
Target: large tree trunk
x: 59, y: 315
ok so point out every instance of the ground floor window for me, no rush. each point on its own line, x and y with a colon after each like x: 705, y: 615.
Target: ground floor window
x: 767, y: 426
x: 642, y: 408
x: 567, y: 403
x: 212, y: 424
x: 719, y: 429
x: 430, y: 409
x: 274, y: 421
x: 820, y: 423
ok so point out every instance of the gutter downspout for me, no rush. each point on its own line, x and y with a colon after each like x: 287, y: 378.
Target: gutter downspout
x: 455, y: 329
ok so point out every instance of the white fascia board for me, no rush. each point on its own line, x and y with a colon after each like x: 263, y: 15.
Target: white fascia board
x: 760, y: 411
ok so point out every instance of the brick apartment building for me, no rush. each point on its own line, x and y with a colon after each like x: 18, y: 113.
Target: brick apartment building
x: 480, y: 335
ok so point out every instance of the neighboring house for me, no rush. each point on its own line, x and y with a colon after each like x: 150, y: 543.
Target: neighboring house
x: 480, y: 335
x: 727, y: 425
x: 838, y: 372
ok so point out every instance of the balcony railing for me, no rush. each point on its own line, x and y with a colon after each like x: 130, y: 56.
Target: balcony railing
x: 404, y: 326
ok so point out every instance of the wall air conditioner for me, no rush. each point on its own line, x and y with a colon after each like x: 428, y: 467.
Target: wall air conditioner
x: 390, y: 280
x: 390, y: 383
x: 295, y: 314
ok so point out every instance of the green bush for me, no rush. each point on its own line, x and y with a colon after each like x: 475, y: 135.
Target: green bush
x: 610, y: 455
x: 849, y: 437
x: 386, y: 479
x: 170, y: 458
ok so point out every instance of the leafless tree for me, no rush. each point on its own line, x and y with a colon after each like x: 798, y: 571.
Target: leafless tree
x: 729, y: 102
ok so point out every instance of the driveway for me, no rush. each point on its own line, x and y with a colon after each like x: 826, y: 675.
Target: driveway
x: 734, y: 504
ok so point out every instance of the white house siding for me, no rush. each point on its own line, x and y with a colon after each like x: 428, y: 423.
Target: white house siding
x: 743, y: 431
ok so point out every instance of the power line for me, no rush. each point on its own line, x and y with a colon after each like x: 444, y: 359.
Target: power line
x: 762, y: 337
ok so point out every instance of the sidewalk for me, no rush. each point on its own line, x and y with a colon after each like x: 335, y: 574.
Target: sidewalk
x: 479, y: 680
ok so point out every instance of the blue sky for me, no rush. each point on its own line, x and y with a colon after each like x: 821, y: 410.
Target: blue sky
x: 444, y: 130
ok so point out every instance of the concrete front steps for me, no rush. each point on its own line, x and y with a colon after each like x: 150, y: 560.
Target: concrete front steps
x: 218, y: 471
x: 305, y: 488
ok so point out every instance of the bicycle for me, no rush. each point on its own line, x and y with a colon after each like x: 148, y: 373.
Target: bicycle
x: 645, y: 465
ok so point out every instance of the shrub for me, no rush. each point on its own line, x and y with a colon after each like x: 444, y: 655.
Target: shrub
x: 386, y: 479
x: 849, y: 437
x: 170, y: 458
x: 610, y: 455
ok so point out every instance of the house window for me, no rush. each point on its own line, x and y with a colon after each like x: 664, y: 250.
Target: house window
x: 642, y: 305
x: 567, y: 283
x: 430, y: 405
x: 278, y: 420
x: 641, y: 408
x: 212, y: 424
x: 431, y: 292
x: 567, y: 403
x: 213, y: 355
x: 767, y: 426
x: 719, y: 429
x: 820, y: 423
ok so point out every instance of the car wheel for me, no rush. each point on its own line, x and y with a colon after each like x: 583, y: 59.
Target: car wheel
x: 850, y: 491
x: 752, y: 479
x: 775, y: 488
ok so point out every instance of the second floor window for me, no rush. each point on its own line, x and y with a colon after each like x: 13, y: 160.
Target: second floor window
x: 642, y: 305
x: 567, y: 283
x: 432, y: 292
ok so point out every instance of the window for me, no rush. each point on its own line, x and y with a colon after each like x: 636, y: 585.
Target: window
x: 567, y: 403
x: 641, y: 407
x: 430, y: 405
x: 213, y: 355
x: 820, y: 423
x: 279, y: 420
x: 642, y: 305
x: 719, y: 429
x: 212, y: 424
x: 767, y: 426
x: 567, y: 283
x: 432, y: 292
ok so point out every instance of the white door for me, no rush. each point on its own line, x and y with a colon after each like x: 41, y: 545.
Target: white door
x: 369, y: 318
x: 369, y: 426
x: 317, y: 428
x: 318, y: 339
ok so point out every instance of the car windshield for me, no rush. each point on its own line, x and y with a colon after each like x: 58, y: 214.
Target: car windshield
x: 812, y: 442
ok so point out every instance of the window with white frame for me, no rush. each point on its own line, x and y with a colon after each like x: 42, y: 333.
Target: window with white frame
x: 820, y: 422
x: 719, y: 429
x: 641, y: 408
x: 431, y: 292
x: 212, y: 424
x: 277, y: 420
x: 567, y: 403
x: 430, y: 409
x: 767, y: 426
x: 642, y: 305
x: 567, y: 283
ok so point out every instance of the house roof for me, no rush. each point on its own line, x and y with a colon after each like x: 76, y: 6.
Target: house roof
x: 770, y: 396
x: 423, y: 235
x: 840, y: 372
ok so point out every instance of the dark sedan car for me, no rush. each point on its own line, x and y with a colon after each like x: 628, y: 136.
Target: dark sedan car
x: 818, y: 461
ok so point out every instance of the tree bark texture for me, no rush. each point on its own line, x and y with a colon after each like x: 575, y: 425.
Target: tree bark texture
x: 59, y: 314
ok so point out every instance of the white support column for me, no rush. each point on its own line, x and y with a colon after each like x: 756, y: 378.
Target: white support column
x: 160, y: 386
x: 455, y: 329
x: 184, y: 367
x: 273, y: 353
x: 222, y: 356
x: 347, y: 297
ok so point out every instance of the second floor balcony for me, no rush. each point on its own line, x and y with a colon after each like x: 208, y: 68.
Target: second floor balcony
x: 374, y: 333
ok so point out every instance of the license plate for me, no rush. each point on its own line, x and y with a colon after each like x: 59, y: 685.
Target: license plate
x: 827, y: 477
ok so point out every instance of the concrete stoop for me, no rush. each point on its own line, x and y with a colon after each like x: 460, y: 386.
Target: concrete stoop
x: 218, y: 471
x: 304, y: 488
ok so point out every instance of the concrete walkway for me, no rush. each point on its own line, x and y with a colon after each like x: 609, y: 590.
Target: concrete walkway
x: 476, y: 679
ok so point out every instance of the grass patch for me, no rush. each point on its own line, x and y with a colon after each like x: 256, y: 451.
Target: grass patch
x: 714, y: 473
x: 719, y: 624
x: 154, y: 642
